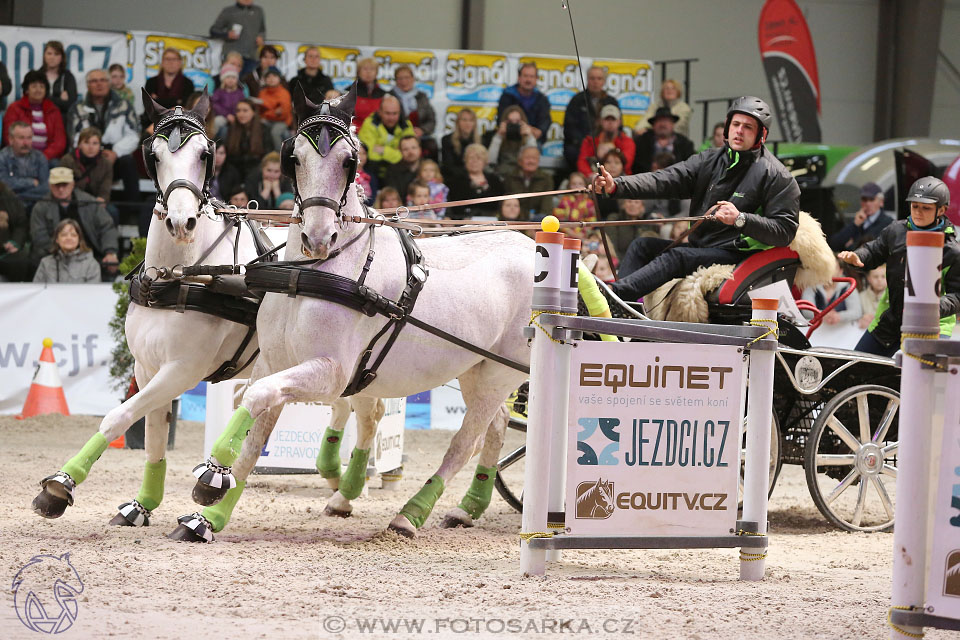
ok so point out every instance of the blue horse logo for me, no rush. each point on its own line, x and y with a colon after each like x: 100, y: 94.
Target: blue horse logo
x: 45, y: 593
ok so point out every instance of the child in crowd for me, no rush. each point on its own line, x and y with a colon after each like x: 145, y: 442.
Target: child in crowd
x: 276, y: 108
x: 418, y: 193
x: 871, y: 294
x: 267, y: 184
x: 510, y: 211
x: 614, y: 162
x: 118, y: 82
x: 594, y: 247
x: 237, y: 196
x: 387, y: 198
x: 70, y: 259
x: 576, y: 207
x: 429, y: 174
x: 226, y: 97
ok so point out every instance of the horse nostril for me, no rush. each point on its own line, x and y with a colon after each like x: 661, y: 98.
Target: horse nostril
x: 170, y: 225
x: 305, y: 241
x: 191, y: 224
x: 333, y: 239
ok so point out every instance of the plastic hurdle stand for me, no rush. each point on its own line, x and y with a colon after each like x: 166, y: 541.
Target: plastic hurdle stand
x: 555, y: 331
x: 926, y: 403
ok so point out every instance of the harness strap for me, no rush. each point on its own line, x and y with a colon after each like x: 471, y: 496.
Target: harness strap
x: 229, y: 369
x: 440, y: 333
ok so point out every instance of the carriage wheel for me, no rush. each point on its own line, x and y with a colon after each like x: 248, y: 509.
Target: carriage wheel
x: 776, y: 461
x: 507, y: 477
x: 851, y: 458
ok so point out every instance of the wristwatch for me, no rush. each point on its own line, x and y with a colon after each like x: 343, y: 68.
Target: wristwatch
x: 740, y: 221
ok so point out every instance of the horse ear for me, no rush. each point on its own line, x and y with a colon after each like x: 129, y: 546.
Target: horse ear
x: 203, y: 105
x: 154, y: 110
x: 348, y: 102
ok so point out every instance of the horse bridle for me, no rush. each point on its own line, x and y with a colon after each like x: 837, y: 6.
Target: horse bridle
x: 317, y: 130
x: 172, y: 128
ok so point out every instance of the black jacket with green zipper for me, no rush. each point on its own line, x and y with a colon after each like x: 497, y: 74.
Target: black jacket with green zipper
x: 754, y: 181
x: 890, y: 248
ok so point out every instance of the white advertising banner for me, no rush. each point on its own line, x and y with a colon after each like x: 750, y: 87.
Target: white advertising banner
x: 654, y: 439
x: 943, y: 581
x: 296, y: 439
x: 76, y: 318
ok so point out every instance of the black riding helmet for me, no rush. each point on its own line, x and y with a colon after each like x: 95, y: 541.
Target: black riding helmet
x: 751, y: 106
x: 930, y: 190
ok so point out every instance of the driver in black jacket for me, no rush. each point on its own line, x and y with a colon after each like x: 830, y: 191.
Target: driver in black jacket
x: 757, y: 204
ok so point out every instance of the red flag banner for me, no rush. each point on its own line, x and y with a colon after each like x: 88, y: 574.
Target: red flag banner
x: 791, y: 67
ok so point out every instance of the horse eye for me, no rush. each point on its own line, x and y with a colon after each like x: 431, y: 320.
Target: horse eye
x: 346, y: 162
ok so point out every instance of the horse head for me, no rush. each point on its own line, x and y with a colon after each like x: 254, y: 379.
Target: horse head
x: 321, y: 160
x: 179, y: 157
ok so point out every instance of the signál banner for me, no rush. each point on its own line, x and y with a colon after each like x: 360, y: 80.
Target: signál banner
x: 790, y: 63
x: 943, y: 577
x: 654, y: 439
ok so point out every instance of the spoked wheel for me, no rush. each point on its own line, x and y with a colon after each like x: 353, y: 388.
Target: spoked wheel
x: 509, y: 473
x: 851, y: 458
x: 776, y: 462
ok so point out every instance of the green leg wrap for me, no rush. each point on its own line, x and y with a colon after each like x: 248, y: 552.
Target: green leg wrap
x: 477, y: 498
x: 227, y: 447
x: 351, y: 484
x: 219, y: 514
x: 419, y: 506
x: 79, y: 465
x: 151, y: 490
x: 328, y: 460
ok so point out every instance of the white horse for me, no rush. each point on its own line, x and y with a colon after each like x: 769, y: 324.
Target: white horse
x: 479, y: 288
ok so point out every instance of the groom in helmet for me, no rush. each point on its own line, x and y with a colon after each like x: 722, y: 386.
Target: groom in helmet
x: 753, y: 201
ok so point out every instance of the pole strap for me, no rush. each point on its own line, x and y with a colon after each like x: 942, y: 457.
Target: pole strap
x: 536, y: 314
x: 921, y: 336
x: 900, y: 630
x: 772, y: 329
x: 527, y: 537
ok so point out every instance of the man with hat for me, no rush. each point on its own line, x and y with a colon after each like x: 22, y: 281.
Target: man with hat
x: 752, y: 200
x: 660, y: 138
x: 929, y: 199
x: 64, y: 201
x: 867, y: 224
x: 610, y: 135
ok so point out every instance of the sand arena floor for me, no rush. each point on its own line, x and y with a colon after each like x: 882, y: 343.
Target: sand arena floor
x: 283, y: 570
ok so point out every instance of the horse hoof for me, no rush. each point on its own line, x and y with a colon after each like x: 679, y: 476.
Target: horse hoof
x: 131, y: 514
x: 337, y: 513
x: 403, y: 526
x: 48, y: 505
x: 205, y: 495
x: 457, y: 517
x: 192, y: 528
x: 56, y: 494
x: 338, y: 506
x: 333, y: 483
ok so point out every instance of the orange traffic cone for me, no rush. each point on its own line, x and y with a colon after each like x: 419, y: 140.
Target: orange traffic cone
x: 46, y: 391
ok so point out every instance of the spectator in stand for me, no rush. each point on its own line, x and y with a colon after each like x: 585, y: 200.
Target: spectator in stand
x: 872, y: 293
x: 22, y: 168
x: 716, y: 139
x: 382, y: 133
x: 659, y: 139
x: 105, y: 110
x: 118, y: 82
x: 418, y: 193
x: 311, y: 78
x: 387, y: 198
x: 92, y: 169
x: 367, y: 181
x: 247, y: 139
x: 6, y: 86
x: 400, y: 175
x: 70, y: 260
x: 233, y: 59
x: 97, y: 227
x: 581, y: 114
x: 243, y: 26
x: 369, y: 91
x: 43, y: 116
x: 530, y: 178
x: 429, y: 174
x: 238, y: 197
x: 256, y: 79
x: 475, y: 181
x: 671, y: 98
x: 416, y: 108
x: 866, y: 225
x: 510, y: 211
x: 225, y: 176
x: 506, y: 141
x: 226, y: 97
x: 267, y: 184
x: 676, y: 230
x: 609, y: 136
x: 465, y: 132
x: 576, y: 207
x: 594, y: 247
x: 534, y: 103
x: 666, y: 207
x: 613, y: 162
x: 14, y: 228
x: 848, y: 311
x: 61, y: 85
x: 276, y: 108
x: 209, y: 124
x: 169, y: 87
x: 621, y: 237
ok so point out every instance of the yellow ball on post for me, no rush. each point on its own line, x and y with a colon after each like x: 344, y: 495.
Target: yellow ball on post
x: 47, y: 342
x: 550, y: 224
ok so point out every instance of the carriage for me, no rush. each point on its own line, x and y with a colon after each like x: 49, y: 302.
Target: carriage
x: 835, y: 410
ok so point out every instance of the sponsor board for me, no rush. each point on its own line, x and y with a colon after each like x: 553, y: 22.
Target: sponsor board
x: 943, y: 577
x: 631, y: 81
x: 340, y: 64
x: 195, y: 52
x: 557, y: 78
x: 486, y: 118
x: 654, y: 439
x: 422, y: 63
x: 553, y: 146
x: 476, y: 77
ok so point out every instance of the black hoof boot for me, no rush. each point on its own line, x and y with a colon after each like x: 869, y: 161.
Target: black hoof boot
x: 192, y: 528
x: 213, y: 482
x: 204, y: 494
x: 56, y: 495
x: 131, y: 514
